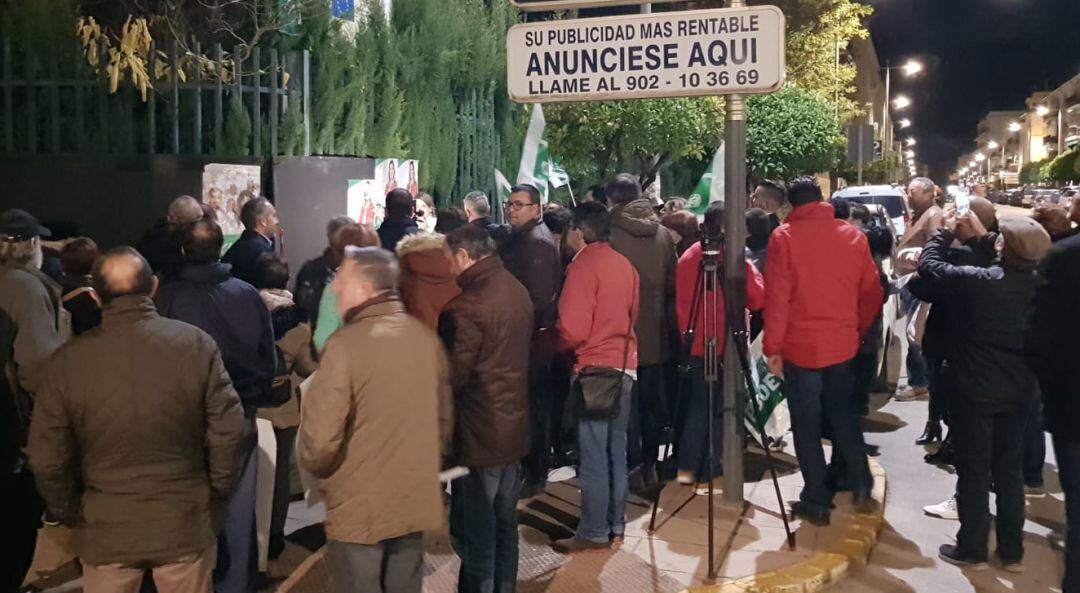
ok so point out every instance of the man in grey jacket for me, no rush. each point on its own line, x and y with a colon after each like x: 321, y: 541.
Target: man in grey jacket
x: 137, y: 450
x: 29, y: 323
x: 636, y: 233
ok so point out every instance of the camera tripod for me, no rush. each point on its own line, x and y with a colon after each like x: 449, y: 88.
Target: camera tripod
x: 706, y: 292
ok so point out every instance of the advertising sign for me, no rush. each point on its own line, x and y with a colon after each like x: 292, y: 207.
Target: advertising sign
x: 672, y: 54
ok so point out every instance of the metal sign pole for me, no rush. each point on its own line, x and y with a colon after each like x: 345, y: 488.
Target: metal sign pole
x: 734, y: 291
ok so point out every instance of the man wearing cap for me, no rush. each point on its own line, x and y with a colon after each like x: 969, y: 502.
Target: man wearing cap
x: 29, y: 334
x: 991, y: 387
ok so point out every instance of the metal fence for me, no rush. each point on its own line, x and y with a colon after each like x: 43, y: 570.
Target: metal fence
x: 479, y: 148
x: 58, y: 103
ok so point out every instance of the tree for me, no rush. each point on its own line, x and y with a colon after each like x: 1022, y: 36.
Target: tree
x: 596, y: 140
x: 1033, y: 173
x: 817, y: 32
x: 1063, y: 169
x: 789, y: 133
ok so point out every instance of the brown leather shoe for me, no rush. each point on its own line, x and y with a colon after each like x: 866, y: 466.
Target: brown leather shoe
x: 576, y: 545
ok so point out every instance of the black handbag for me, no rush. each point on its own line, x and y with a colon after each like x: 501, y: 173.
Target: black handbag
x: 599, y: 389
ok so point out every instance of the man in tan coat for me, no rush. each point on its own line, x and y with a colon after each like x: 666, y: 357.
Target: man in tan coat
x: 374, y: 426
x: 136, y: 438
x: 927, y: 218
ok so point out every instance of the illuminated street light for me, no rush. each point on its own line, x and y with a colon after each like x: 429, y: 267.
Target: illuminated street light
x: 1042, y: 110
x: 980, y: 157
x: 910, y: 154
x: 905, y: 123
x: 973, y: 164
x: 1014, y: 127
x: 909, y: 142
x: 992, y: 145
x: 902, y: 102
x: 912, y: 67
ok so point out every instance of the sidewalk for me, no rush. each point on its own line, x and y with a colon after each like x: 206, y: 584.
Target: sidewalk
x: 751, y: 545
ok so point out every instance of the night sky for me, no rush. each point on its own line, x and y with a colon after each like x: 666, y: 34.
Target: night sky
x: 981, y: 55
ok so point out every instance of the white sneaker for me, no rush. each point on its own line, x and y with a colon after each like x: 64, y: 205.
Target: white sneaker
x: 944, y: 510
x: 910, y: 393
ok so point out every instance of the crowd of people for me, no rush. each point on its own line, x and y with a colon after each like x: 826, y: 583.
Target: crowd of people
x: 134, y: 378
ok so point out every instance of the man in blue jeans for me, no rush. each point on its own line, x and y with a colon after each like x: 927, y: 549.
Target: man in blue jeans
x: 597, y: 312
x: 485, y: 330
x: 822, y: 293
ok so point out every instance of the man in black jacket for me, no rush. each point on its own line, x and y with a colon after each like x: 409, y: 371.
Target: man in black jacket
x: 531, y: 255
x: 315, y: 274
x: 161, y: 246
x: 260, y: 227
x: 205, y: 295
x: 941, y: 330
x: 990, y: 385
x: 1053, y: 350
x: 400, y: 219
x: 478, y: 210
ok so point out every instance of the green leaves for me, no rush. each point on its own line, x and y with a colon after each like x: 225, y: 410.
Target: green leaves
x: 597, y: 140
x: 789, y: 133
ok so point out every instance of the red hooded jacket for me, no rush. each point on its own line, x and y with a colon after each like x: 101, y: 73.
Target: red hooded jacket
x: 599, y: 304
x: 822, y: 290
x: 686, y: 276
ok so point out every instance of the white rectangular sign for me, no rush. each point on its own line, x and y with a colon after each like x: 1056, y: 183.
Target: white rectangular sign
x: 642, y: 56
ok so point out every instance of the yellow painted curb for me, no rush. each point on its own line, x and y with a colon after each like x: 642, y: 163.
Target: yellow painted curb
x: 828, y: 566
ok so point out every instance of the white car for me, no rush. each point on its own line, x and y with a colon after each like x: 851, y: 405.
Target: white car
x: 889, y: 197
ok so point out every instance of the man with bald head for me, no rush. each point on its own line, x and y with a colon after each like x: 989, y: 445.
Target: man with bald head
x: 137, y: 450
x: 161, y: 245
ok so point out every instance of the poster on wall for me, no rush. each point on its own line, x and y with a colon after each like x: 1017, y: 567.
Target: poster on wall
x: 366, y: 202
x: 394, y: 173
x: 226, y: 188
x: 366, y: 198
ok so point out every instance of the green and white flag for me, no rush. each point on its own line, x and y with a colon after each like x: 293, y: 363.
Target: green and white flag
x: 502, y: 194
x: 774, y: 417
x: 535, y: 155
x: 711, y: 187
x: 502, y: 188
x: 557, y: 175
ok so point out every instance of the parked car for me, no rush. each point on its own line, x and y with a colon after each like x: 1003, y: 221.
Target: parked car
x: 1034, y: 197
x: 1068, y: 194
x: 887, y: 196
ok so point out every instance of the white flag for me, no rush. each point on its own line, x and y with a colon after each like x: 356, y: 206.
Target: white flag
x: 557, y: 175
x: 711, y: 187
x: 534, y: 154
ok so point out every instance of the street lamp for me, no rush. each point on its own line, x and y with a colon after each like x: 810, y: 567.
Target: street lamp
x: 905, y: 123
x: 1014, y: 127
x: 909, y: 142
x: 1042, y: 111
x: 912, y: 67
x: 980, y: 157
x: 902, y: 102
x: 992, y: 145
x: 910, y: 154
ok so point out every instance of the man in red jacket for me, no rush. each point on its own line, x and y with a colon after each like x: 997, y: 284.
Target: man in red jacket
x: 597, y: 312
x: 693, y: 459
x: 821, y: 296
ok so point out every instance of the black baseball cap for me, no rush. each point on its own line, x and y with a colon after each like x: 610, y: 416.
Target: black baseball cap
x: 20, y: 225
